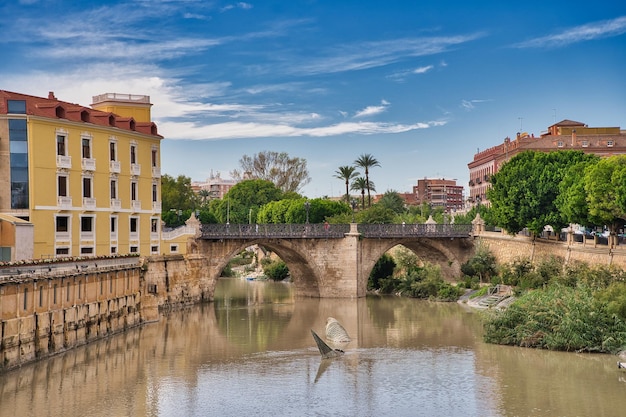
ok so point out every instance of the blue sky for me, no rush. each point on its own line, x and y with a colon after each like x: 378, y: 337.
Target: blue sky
x: 421, y: 86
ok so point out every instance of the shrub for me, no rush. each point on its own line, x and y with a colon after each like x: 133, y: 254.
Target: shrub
x: 275, y: 270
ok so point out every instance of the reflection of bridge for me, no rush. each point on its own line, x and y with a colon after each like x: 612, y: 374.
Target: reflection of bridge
x: 331, y: 260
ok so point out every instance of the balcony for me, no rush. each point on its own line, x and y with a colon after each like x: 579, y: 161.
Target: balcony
x: 115, y: 167
x: 113, y: 237
x: 156, y: 172
x: 134, y: 237
x: 63, y: 237
x: 88, y: 164
x: 156, y: 207
x: 135, y: 169
x: 64, y: 161
x: 116, y: 204
x: 89, y: 203
x: 87, y: 236
x: 135, y: 205
x: 64, y: 202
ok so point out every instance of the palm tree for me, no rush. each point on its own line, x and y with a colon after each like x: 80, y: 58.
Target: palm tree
x: 204, y: 195
x: 361, y: 184
x: 367, y: 161
x: 346, y: 173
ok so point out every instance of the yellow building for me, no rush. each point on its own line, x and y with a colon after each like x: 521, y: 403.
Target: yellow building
x: 86, y: 178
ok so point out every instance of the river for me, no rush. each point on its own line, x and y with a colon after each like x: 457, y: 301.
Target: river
x: 251, y: 353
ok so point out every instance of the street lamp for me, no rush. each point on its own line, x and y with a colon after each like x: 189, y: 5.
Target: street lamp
x: 307, y: 207
x: 353, y: 204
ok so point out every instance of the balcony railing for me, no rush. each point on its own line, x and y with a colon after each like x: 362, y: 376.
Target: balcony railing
x: 156, y: 207
x: 89, y: 203
x: 64, y: 161
x: 135, y: 169
x: 156, y: 172
x: 135, y: 205
x: 116, y: 204
x: 62, y: 237
x: 64, y: 202
x: 115, y: 167
x: 87, y: 235
x: 88, y: 164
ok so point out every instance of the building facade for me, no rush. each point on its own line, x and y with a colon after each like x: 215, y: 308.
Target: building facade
x: 439, y: 193
x: 216, y: 186
x: 565, y: 135
x: 86, y: 178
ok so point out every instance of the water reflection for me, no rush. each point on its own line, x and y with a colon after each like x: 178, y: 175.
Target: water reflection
x: 251, y: 352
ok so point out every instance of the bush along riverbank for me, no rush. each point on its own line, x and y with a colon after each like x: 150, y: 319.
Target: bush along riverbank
x: 569, y: 308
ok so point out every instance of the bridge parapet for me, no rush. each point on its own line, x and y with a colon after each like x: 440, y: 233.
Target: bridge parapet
x: 331, y: 231
x: 414, y: 230
x: 276, y: 231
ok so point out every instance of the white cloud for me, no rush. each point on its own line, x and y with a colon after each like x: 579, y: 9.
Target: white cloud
x: 237, y: 130
x: 422, y: 70
x: 590, y: 31
x: 372, y: 110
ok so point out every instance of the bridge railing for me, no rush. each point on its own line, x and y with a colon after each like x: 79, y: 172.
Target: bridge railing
x: 332, y: 231
x: 413, y: 230
x: 248, y: 231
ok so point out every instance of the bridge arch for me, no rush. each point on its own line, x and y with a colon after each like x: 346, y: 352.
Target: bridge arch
x: 449, y: 254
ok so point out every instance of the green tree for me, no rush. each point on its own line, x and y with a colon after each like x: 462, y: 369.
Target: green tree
x: 287, y: 173
x: 361, y: 184
x: 605, y: 187
x: 367, y: 161
x: 346, y: 173
x: 177, y: 199
x: 392, y: 201
x: 572, y: 199
x: 242, y: 202
x: 524, y: 192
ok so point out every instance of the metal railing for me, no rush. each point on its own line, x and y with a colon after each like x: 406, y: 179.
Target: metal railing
x: 331, y: 231
x: 247, y: 231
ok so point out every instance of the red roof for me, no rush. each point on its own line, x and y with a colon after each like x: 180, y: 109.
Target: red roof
x: 53, y: 108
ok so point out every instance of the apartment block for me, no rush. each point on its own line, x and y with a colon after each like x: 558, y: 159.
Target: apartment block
x: 86, y: 178
x: 564, y: 135
x: 439, y: 193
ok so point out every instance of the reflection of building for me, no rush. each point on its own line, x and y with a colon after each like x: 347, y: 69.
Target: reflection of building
x: 215, y: 185
x: 565, y: 135
x: 87, y: 179
x: 439, y: 193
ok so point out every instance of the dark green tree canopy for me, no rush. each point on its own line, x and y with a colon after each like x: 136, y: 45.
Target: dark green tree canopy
x: 524, y: 192
x: 242, y: 203
x: 287, y: 173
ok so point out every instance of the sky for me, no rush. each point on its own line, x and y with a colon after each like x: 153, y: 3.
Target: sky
x: 421, y: 86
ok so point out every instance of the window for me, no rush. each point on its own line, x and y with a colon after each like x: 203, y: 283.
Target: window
x: 113, y: 250
x: 62, y: 186
x: 134, y: 224
x: 609, y: 143
x: 113, y: 225
x: 86, y: 224
x: 560, y: 144
x: 62, y: 251
x: 61, y: 145
x: 134, y: 249
x: 133, y: 190
x: 154, y: 157
x: 87, y: 187
x: 154, y: 193
x: 154, y: 225
x: 113, y: 151
x: 62, y: 224
x: 18, y: 148
x: 174, y: 248
x: 113, y: 189
x: 16, y: 106
x: 133, y: 154
x: 585, y: 143
x: 86, y: 251
x: 86, y: 148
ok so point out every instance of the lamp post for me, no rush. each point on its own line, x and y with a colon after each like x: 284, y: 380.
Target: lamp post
x: 307, y: 207
x: 353, y: 204
x: 250, y: 216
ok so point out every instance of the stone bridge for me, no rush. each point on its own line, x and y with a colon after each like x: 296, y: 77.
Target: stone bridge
x: 330, y: 260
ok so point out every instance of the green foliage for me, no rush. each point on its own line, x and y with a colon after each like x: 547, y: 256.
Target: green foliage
x: 241, y: 204
x: 391, y: 200
x: 275, y: 270
x: 177, y: 197
x: 376, y: 214
x: 525, y: 190
x: 558, y: 318
x: 482, y: 265
x: 614, y: 297
x: 347, y: 174
x: 605, y: 187
x: 383, y: 269
x: 294, y: 211
x: 367, y: 161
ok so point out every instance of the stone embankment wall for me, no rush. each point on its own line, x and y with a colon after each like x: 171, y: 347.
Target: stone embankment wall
x: 507, y: 248
x: 46, y: 309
